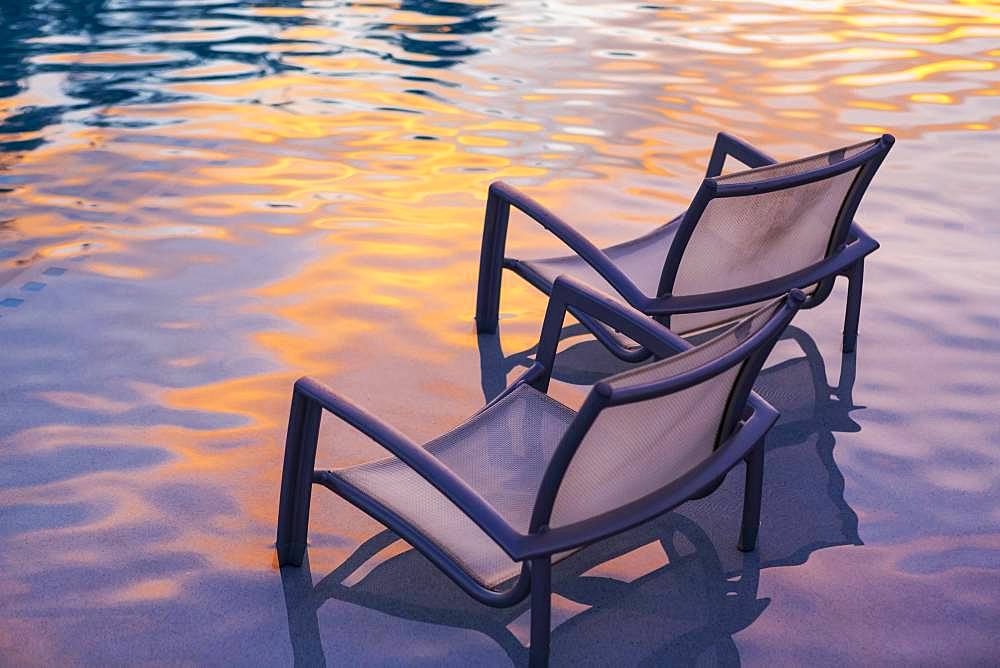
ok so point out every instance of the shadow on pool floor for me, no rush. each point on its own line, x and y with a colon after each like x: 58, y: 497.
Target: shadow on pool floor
x: 673, y: 590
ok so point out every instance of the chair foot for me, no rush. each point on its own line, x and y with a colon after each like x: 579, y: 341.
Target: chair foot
x: 541, y: 607
x: 488, y: 321
x: 487, y: 302
x: 291, y: 554
x: 853, y: 314
x: 751, y: 498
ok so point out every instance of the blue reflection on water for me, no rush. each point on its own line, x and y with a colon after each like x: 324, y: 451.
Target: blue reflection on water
x: 221, y: 196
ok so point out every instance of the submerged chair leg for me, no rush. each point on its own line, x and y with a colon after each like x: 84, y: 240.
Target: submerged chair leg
x: 541, y: 608
x: 751, y: 498
x: 296, y: 479
x: 491, y: 264
x: 855, y: 279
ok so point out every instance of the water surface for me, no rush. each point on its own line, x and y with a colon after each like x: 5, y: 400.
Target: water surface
x: 201, y: 201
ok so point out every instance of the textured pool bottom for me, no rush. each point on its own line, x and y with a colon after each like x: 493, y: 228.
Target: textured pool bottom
x: 131, y: 501
x: 260, y: 193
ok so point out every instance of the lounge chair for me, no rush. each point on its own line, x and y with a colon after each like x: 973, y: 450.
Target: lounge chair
x: 747, y: 236
x: 714, y: 586
x: 527, y: 481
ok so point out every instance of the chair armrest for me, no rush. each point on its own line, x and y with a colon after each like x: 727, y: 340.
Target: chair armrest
x: 728, y: 145
x: 856, y: 249
x: 416, y: 457
x: 578, y: 298
x: 856, y: 233
x: 502, y: 196
x: 761, y: 418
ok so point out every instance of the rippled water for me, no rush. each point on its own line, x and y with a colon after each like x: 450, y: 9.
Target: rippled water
x: 202, y: 201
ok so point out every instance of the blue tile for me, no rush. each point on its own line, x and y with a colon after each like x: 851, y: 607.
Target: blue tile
x: 54, y: 271
x: 11, y: 302
x: 32, y: 286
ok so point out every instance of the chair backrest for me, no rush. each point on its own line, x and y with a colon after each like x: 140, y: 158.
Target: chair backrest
x: 761, y: 224
x: 634, y: 449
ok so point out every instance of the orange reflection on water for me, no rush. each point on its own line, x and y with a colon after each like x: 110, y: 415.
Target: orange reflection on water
x: 917, y: 73
x: 317, y: 209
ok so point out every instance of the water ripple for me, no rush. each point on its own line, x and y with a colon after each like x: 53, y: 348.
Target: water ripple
x: 201, y: 200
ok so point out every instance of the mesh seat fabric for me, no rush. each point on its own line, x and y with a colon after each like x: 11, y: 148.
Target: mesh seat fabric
x: 640, y: 259
x: 502, y: 453
x: 635, y: 449
x: 741, y: 241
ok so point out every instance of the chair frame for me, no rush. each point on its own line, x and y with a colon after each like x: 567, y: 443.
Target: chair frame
x: 847, y: 248
x: 745, y: 422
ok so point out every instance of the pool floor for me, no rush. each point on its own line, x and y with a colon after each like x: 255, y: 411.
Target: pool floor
x: 201, y: 202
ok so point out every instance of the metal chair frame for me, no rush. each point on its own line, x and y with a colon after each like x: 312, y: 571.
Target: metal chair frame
x: 846, y: 250
x: 745, y: 421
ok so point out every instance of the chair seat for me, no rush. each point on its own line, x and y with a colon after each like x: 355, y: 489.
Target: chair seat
x: 641, y: 259
x: 501, y: 452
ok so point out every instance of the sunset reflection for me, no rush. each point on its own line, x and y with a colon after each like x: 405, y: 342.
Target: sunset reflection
x: 210, y: 201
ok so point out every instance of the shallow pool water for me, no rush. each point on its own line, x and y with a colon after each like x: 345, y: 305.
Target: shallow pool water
x: 201, y: 201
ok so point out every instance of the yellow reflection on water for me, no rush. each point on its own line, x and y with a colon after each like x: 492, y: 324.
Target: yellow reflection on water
x: 354, y: 180
x: 917, y: 73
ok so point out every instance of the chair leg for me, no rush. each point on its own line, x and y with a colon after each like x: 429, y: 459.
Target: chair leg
x: 751, y: 498
x: 541, y: 612
x: 296, y: 480
x: 855, y: 280
x: 491, y: 265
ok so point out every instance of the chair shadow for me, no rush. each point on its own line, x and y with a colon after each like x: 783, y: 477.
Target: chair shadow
x: 583, y: 363
x: 673, y: 590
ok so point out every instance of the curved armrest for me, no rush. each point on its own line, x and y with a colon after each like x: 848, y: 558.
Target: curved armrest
x: 416, y: 457
x: 728, y: 145
x: 856, y: 249
x: 760, y: 419
x: 856, y: 233
x: 573, y: 295
x: 502, y: 196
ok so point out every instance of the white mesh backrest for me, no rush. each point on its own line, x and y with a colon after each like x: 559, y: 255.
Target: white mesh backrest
x: 739, y: 241
x: 635, y: 449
